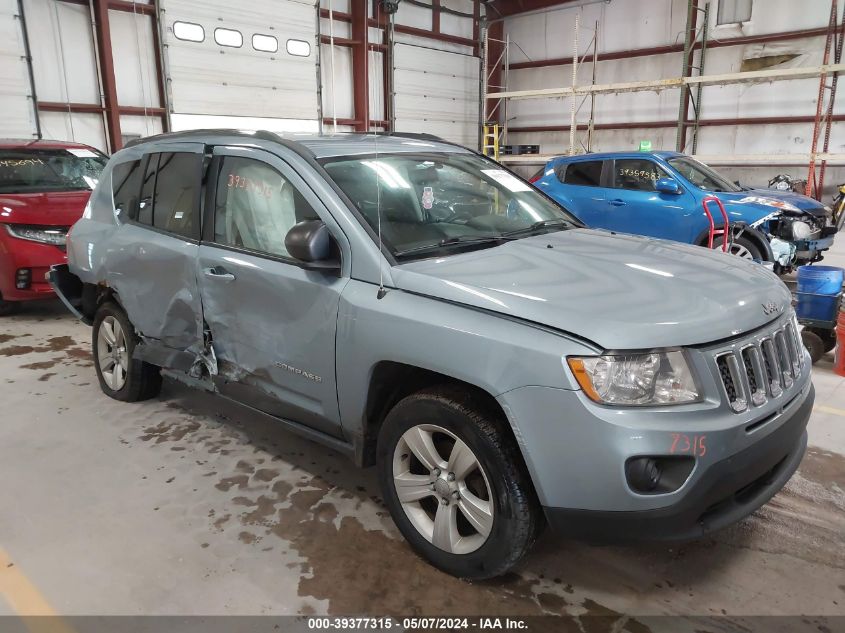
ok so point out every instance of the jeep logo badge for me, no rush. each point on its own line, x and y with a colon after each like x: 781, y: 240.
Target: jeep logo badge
x: 770, y: 307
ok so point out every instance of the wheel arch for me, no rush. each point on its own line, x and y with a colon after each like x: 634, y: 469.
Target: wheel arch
x: 391, y: 381
x: 756, y: 237
x: 95, y: 295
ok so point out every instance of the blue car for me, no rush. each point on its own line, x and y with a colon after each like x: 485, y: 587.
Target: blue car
x: 660, y: 194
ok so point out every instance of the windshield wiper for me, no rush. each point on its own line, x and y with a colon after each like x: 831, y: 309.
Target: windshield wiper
x: 542, y: 224
x: 462, y: 240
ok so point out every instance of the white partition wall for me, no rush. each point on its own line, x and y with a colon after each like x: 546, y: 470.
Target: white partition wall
x: 18, y: 120
x: 225, y: 59
x: 436, y: 92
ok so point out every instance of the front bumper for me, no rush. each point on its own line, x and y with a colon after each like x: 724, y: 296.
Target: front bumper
x: 725, y: 492
x: 587, y: 461
x: 808, y: 249
x: 17, y: 254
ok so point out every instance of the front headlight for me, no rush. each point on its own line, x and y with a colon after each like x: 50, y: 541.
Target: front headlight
x: 801, y: 231
x: 656, y: 378
x: 45, y: 235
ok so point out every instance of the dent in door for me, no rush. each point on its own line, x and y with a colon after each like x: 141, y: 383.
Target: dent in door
x: 279, y: 322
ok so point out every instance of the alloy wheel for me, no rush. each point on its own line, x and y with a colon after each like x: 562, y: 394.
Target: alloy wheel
x: 443, y: 489
x: 112, y: 354
x: 740, y: 251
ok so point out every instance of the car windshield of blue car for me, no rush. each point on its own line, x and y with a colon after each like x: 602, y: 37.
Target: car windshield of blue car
x: 438, y: 203
x: 43, y: 170
x: 701, y: 175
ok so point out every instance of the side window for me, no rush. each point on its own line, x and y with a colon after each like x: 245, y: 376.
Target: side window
x: 256, y: 207
x: 125, y: 185
x: 637, y: 174
x: 175, y: 209
x: 148, y: 183
x: 586, y: 173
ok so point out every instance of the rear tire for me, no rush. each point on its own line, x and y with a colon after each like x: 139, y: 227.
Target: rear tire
x: 463, y: 483
x: 741, y: 247
x: 814, y: 345
x: 121, y: 376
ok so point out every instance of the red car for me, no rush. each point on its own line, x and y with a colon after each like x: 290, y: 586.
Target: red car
x: 44, y: 187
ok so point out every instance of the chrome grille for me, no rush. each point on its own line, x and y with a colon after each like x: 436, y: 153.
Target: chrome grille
x: 763, y: 368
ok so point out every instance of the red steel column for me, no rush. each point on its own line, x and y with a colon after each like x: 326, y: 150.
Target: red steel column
x: 101, y: 25
x: 360, y: 66
x: 476, y: 27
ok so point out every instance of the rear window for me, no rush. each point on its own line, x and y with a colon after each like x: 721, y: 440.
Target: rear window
x: 586, y: 173
x: 125, y: 186
x: 43, y: 170
x: 170, y: 193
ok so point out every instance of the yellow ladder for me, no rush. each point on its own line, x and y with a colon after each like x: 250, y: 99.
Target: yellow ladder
x: 490, y: 135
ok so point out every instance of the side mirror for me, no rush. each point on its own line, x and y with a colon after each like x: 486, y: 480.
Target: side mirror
x: 667, y: 185
x: 311, y: 242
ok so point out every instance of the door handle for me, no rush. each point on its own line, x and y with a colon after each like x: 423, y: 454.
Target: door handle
x: 218, y: 272
x: 618, y: 203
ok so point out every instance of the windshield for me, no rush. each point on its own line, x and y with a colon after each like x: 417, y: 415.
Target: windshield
x: 40, y: 170
x: 701, y: 175
x: 434, y: 203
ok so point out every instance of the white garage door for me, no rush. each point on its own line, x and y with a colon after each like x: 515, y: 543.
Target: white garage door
x: 436, y: 92
x: 18, y: 120
x: 256, y: 59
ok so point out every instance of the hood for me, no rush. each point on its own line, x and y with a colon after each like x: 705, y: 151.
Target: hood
x: 619, y: 291
x: 805, y: 203
x: 754, y: 204
x: 54, y: 208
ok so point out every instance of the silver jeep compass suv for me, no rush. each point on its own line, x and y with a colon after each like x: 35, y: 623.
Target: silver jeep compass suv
x: 415, y: 305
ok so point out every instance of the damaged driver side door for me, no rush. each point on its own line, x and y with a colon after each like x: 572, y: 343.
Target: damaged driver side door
x: 272, y: 321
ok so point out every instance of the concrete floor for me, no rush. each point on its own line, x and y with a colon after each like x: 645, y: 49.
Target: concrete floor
x: 185, y: 505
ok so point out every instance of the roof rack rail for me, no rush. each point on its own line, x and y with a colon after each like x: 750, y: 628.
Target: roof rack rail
x: 418, y: 135
x: 264, y: 135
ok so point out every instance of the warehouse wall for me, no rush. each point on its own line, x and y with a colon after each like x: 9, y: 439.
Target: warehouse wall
x: 646, y: 23
x: 435, y: 82
x: 134, y: 52
x: 16, y: 104
x: 65, y: 71
x: 255, y: 78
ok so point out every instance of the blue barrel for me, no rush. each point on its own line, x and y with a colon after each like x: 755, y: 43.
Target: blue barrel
x: 818, y: 289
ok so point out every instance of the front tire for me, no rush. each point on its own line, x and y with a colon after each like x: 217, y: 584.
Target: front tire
x: 455, y: 484
x: 741, y: 247
x: 121, y: 376
x: 8, y: 308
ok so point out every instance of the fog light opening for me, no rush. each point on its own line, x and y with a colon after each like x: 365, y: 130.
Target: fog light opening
x: 658, y: 474
x: 23, y: 278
